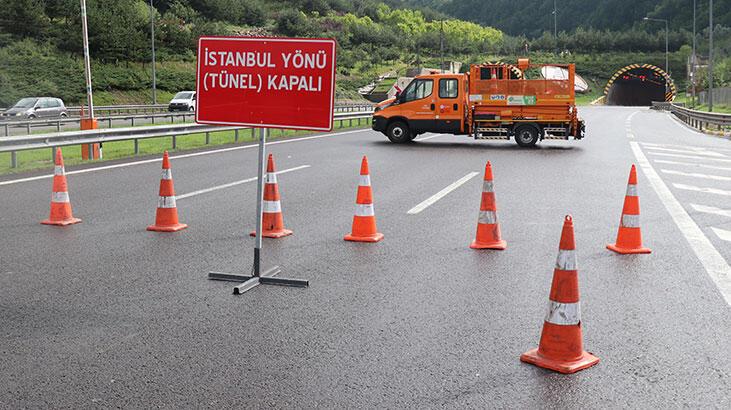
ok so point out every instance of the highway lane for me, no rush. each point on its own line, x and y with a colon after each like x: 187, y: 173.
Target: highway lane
x: 117, y: 316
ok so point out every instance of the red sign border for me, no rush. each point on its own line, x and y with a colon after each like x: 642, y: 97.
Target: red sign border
x: 274, y: 39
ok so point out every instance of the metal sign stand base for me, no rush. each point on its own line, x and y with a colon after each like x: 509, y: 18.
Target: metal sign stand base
x: 258, y: 277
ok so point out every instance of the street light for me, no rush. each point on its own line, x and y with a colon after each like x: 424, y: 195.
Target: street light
x: 152, y: 39
x: 667, y: 67
x: 710, y: 55
x: 693, y: 58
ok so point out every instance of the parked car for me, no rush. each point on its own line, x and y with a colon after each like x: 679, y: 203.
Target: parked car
x: 36, y: 107
x: 183, y: 101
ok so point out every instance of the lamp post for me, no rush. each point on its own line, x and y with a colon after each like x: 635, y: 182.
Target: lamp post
x: 87, y: 63
x: 667, y: 67
x: 555, y: 25
x: 693, y: 60
x: 152, y: 39
x: 710, y: 55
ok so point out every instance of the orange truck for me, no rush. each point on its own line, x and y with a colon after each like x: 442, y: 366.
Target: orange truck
x: 491, y: 101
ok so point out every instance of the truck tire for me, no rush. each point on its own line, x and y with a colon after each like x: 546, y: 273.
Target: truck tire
x: 526, y: 136
x: 398, y: 132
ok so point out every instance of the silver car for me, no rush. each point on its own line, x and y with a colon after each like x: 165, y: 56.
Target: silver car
x: 36, y: 107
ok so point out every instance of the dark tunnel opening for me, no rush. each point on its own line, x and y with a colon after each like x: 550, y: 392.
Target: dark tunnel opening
x: 638, y: 86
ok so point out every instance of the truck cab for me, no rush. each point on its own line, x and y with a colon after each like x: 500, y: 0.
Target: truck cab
x: 430, y: 103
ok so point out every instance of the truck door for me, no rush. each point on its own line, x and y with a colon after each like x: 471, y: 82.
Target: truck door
x: 417, y: 103
x: 448, y: 113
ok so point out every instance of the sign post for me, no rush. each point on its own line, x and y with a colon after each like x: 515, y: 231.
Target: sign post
x: 286, y: 83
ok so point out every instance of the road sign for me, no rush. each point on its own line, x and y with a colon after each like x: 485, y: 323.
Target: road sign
x: 266, y: 82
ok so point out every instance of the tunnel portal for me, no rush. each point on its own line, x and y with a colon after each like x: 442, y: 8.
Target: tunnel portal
x: 639, y: 84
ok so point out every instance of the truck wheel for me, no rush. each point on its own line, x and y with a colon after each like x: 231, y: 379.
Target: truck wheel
x: 398, y: 132
x: 526, y: 136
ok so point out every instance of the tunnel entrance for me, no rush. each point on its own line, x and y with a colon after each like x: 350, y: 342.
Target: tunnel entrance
x: 639, y: 84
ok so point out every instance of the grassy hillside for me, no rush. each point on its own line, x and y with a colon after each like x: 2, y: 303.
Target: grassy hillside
x: 40, y: 41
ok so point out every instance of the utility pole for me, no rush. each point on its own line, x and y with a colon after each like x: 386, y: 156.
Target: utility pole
x: 693, y: 61
x: 152, y: 39
x: 555, y: 25
x: 87, y: 63
x: 441, y: 47
x: 710, y: 55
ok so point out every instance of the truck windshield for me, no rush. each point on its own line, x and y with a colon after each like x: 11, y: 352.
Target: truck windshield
x: 183, y: 96
x: 418, y: 89
x: 26, y: 103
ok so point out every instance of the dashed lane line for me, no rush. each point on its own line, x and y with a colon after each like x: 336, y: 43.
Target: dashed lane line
x: 705, y: 190
x: 230, y: 184
x: 712, y: 261
x: 691, y: 164
x: 711, y: 210
x: 428, y: 138
x: 722, y: 234
x: 441, y: 194
x: 696, y: 175
x: 193, y: 154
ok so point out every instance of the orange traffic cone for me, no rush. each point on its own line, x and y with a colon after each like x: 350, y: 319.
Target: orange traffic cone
x: 166, y: 217
x: 629, y: 237
x: 60, y: 203
x: 561, y: 347
x: 272, y: 224
x: 488, y: 228
x: 364, y: 221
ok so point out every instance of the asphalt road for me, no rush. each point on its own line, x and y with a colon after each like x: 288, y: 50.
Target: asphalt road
x: 106, y: 314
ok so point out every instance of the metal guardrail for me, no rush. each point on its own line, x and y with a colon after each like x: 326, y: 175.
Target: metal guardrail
x: 28, y: 125
x: 697, y: 119
x: 68, y: 138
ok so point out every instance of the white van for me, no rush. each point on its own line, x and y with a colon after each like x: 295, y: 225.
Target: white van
x: 183, y: 101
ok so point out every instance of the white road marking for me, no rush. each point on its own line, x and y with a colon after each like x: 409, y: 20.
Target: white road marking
x: 193, y: 154
x: 230, y: 184
x: 690, y: 157
x: 714, y: 264
x: 711, y: 210
x: 692, y: 164
x: 683, y: 125
x: 722, y: 234
x: 691, y: 147
x: 696, y: 175
x: 441, y: 194
x: 429, y: 137
x: 705, y: 190
x: 685, y: 151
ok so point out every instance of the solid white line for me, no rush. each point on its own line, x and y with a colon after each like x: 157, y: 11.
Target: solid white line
x: 696, y: 175
x: 714, y: 264
x: 230, y: 184
x: 711, y: 210
x: 685, y: 151
x: 194, y: 154
x: 705, y: 190
x: 429, y: 137
x: 663, y: 161
x: 690, y: 157
x: 683, y: 125
x: 722, y: 234
x: 441, y: 194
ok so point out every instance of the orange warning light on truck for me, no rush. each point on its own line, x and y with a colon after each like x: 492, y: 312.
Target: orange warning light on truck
x: 491, y: 101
